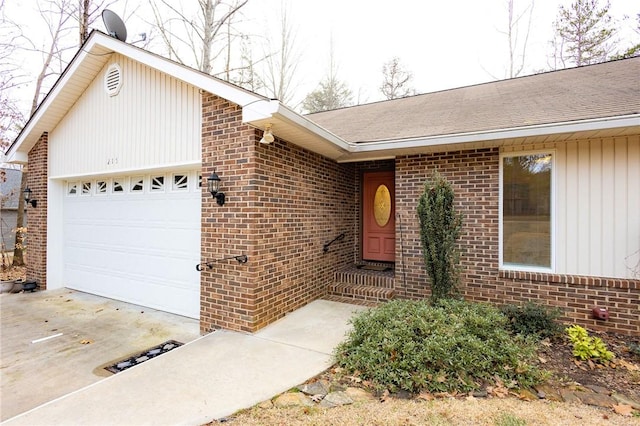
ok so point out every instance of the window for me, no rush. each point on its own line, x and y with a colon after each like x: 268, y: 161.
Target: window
x: 86, y: 188
x: 157, y: 183
x: 72, y: 189
x: 118, y: 185
x: 180, y: 182
x: 101, y: 187
x: 527, y: 211
x: 137, y: 184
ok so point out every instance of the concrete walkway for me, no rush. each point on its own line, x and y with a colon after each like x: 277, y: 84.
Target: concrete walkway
x: 208, y: 378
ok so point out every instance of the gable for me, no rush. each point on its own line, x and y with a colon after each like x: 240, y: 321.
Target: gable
x: 89, y: 61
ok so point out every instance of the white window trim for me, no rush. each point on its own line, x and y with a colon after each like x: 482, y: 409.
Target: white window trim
x: 527, y: 268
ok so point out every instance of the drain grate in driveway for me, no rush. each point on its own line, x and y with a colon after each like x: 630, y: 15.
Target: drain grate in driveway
x: 143, y: 356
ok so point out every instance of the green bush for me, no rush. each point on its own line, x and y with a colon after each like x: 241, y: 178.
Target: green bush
x: 586, y: 347
x: 440, y: 227
x: 532, y: 319
x: 451, y: 346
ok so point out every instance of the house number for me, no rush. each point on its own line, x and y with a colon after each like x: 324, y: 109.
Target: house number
x: 112, y: 161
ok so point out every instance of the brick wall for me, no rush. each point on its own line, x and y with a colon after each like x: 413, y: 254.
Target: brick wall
x: 37, y: 216
x: 303, y: 201
x: 474, y: 175
x: 283, y: 204
x: 226, y: 291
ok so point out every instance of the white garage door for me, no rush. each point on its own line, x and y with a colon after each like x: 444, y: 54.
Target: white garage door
x: 136, y: 239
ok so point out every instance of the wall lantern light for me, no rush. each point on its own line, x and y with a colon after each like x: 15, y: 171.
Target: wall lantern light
x: 27, y: 197
x: 213, y: 185
x: 267, y: 136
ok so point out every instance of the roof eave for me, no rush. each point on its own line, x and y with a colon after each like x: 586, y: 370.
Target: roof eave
x: 295, y: 128
x: 391, y: 148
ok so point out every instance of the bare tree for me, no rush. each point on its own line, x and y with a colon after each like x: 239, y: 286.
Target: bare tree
x: 281, y: 63
x: 247, y: 75
x: 86, y: 14
x: 11, y: 118
x: 517, y: 61
x: 191, y: 39
x: 396, y: 80
x: 583, y: 31
x: 57, y: 17
x: 55, y: 13
x: 332, y: 93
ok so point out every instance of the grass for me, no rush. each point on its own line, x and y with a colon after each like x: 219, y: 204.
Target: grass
x: 441, y: 412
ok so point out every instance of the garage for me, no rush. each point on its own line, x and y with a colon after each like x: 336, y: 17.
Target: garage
x: 134, y: 238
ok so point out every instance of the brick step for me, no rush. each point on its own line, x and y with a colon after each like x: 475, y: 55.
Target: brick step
x: 350, y: 300
x: 363, y: 277
x: 361, y: 292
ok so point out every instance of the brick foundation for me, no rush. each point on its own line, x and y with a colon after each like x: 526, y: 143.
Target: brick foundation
x: 37, y: 216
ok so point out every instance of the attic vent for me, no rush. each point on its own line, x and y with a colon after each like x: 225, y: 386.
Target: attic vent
x: 113, y: 79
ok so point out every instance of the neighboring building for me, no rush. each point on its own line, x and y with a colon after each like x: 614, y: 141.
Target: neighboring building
x: 546, y: 171
x: 10, y: 195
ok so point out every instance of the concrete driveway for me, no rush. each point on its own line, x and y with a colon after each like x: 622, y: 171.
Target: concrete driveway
x: 96, y: 332
x: 208, y: 378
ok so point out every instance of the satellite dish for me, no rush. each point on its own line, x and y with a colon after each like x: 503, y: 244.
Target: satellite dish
x: 114, y: 25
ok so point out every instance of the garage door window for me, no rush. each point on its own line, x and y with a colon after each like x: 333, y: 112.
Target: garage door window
x: 157, y: 184
x: 101, y: 187
x: 72, y: 189
x: 137, y: 184
x: 118, y: 186
x: 86, y: 188
x: 180, y: 182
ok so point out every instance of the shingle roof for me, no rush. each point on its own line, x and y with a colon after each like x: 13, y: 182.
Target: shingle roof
x: 610, y: 89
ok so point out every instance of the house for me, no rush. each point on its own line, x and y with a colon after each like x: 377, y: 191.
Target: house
x: 10, y: 179
x: 546, y: 170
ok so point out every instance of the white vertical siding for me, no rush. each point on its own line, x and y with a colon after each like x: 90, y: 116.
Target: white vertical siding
x: 597, y: 210
x: 154, y: 121
x: 632, y: 261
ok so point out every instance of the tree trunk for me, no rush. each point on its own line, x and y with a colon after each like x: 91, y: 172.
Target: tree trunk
x: 84, y: 20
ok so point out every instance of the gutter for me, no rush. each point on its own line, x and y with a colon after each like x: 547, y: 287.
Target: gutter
x: 506, y: 133
x: 264, y: 110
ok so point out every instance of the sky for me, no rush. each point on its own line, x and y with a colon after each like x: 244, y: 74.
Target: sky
x: 445, y: 44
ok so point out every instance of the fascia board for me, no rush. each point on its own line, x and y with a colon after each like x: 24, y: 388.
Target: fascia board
x: 260, y: 111
x: 507, y: 133
x: 27, y: 132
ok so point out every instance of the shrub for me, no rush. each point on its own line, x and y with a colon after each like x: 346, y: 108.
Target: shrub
x: 440, y: 228
x: 532, y: 319
x: 451, y: 346
x: 586, y: 347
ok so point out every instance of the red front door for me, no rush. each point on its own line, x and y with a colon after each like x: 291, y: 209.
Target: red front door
x: 378, y: 221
